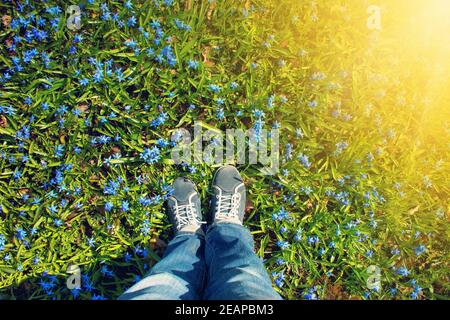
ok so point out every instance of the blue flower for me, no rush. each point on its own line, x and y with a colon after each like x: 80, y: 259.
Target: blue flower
x: 98, y: 76
x: 342, y: 197
x: 151, y: 155
x: 341, y: 146
x: 36, y: 200
x: 52, y: 208
x: 119, y: 75
x: 127, y: 257
x: 312, y: 239
x: 427, y: 182
x: 137, y: 278
x: 17, y: 175
x: 393, y: 291
x: 77, y: 38
x: 181, y: 25
x: 20, y: 233
x: 304, y: 160
x: 161, y: 119
x: 105, y: 271
x: 54, y: 11
x: 128, y: 5
x: 58, y: 222
x: 312, y: 104
x: 280, y: 215
x: 75, y: 293
x: 162, y: 143
x: 318, y: 76
x: 257, y: 113
x: 58, y: 151
x: 108, y: 206
x: 193, y: 64
x: 214, y: 88
x: 84, y: 81
x: 131, y: 21
x: 282, y: 244
x: 306, y: 190
x: 220, y: 113
x: 278, y: 279
x: 288, y: 152
x: 111, y: 187
x: 87, y: 283
x: 146, y: 227
x: 402, y: 271
x: 28, y: 101
x: 91, y: 242
x: 311, y: 294
x: 420, y: 249
x: 298, y: 235
x: 167, y: 53
x: 125, y: 206
x: 270, y: 101
x: 2, y: 242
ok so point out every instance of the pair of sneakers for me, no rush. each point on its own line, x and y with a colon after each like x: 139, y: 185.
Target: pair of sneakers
x: 227, y: 203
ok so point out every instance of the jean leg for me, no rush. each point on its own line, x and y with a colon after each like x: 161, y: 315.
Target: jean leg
x: 235, y: 272
x: 179, y: 275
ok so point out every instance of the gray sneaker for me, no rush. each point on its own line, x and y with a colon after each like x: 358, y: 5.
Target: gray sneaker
x: 228, y: 202
x: 184, y: 208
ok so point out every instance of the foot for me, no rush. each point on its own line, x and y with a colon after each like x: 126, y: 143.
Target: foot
x: 228, y: 202
x: 184, y: 208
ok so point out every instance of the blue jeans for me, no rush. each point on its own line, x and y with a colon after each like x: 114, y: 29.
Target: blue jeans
x: 219, y: 266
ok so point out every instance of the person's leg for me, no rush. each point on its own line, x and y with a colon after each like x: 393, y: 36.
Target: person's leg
x: 234, y: 271
x: 179, y: 275
x: 182, y: 271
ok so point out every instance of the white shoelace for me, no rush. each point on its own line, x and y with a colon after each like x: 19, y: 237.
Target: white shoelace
x: 227, y: 206
x: 186, y: 215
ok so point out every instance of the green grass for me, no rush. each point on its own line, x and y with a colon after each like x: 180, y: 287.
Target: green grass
x: 386, y: 189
